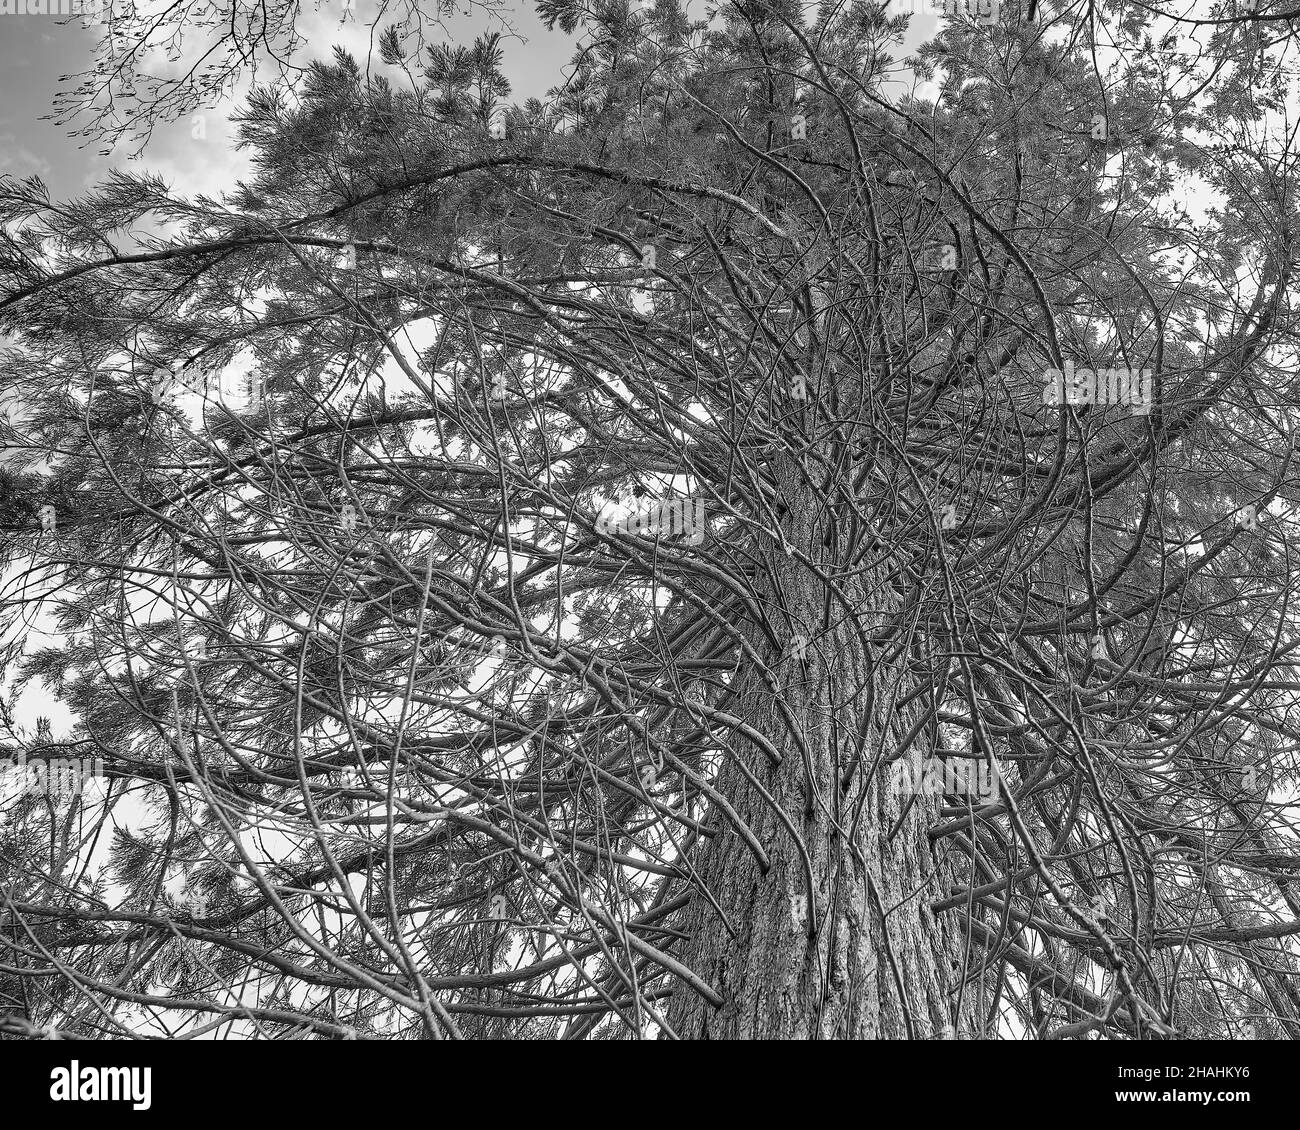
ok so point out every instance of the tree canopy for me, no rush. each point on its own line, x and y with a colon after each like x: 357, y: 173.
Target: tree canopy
x: 508, y: 557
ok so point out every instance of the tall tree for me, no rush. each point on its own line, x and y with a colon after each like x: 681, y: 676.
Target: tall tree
x: 647, y: 517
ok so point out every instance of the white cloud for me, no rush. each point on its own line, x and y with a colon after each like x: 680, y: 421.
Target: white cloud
x: 18, y: 160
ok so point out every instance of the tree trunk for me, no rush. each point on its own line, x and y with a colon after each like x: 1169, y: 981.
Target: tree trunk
x: 876, y: 964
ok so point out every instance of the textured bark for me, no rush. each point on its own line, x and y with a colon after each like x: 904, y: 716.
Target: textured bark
x: 876, y: 964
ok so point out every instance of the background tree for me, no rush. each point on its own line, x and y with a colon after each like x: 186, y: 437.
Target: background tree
x: 487, y: 734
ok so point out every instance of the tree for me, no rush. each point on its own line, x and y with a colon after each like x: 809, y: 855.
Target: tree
x: 673, y: 574
x: 151, y: 67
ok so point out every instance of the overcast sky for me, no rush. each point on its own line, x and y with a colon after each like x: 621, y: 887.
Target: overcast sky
x: 36, y: 50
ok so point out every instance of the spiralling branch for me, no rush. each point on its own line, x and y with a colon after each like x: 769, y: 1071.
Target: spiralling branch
x: 765, y: 559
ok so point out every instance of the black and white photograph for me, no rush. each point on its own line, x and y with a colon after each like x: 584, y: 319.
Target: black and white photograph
x: 650, y: 520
